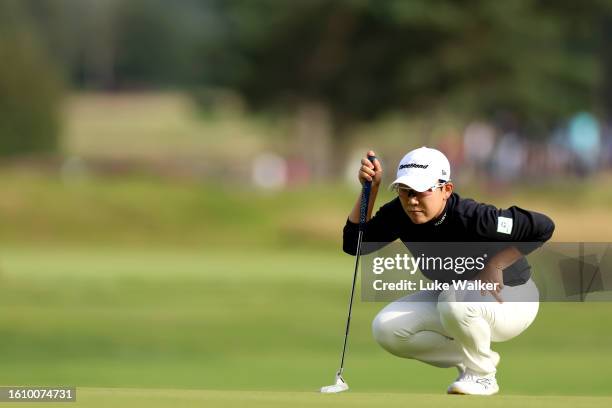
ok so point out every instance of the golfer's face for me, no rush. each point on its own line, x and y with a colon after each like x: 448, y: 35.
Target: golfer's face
x: 421, y: 207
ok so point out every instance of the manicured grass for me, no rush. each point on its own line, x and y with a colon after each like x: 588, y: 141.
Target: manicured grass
x: 173, y: 288
x: 245, y: 320
x: 109, y: 397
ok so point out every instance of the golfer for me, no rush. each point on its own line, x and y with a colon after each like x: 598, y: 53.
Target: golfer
x: 446, y: 328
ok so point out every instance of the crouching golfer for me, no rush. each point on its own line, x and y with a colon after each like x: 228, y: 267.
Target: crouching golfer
x: 441, y: 327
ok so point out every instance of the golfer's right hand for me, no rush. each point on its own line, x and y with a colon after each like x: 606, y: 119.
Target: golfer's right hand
x: 370, y: 171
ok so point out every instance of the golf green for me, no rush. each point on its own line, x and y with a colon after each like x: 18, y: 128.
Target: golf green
x: 251, y: 321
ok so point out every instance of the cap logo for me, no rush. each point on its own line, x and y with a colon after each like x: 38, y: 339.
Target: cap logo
x: 444, y: 172
x: 411, y: 165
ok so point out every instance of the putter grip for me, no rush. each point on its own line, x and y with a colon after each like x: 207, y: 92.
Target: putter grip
x: 365, y: 199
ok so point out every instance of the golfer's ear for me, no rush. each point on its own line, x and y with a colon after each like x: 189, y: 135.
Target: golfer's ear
x: 448, y: 189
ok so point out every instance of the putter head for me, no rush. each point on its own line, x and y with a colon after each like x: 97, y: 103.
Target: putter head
x: 339, y: 386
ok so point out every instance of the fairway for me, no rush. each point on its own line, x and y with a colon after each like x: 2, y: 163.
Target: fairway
x: 107, y: 397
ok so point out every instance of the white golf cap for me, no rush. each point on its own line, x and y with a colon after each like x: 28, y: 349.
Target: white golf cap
x: 421, y: 169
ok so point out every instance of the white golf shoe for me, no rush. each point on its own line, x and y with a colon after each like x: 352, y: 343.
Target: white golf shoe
x: 473, y: 384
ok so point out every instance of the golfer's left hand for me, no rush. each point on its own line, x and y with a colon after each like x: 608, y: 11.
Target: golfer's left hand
x: 492, y: 274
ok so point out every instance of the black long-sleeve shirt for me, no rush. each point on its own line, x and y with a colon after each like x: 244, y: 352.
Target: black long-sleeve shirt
x: 463, y: 220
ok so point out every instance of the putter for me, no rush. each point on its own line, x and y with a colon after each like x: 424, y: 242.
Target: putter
x: 339, y: 383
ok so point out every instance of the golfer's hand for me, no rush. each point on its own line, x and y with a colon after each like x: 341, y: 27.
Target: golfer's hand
x: 492, y: 274
x: 370, y: 171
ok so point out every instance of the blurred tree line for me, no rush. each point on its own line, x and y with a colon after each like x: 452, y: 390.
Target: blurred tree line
x: 30, y: 87
x: 337, y: 61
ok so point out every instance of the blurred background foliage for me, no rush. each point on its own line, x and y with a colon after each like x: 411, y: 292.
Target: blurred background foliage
x: 30, y: 87
x: 538, y: 61
x: 541, y: 59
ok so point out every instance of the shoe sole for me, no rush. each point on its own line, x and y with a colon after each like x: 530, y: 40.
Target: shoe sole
x: 453, y: 391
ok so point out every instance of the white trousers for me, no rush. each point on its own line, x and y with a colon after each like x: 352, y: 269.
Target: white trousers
x: 453, y: 327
